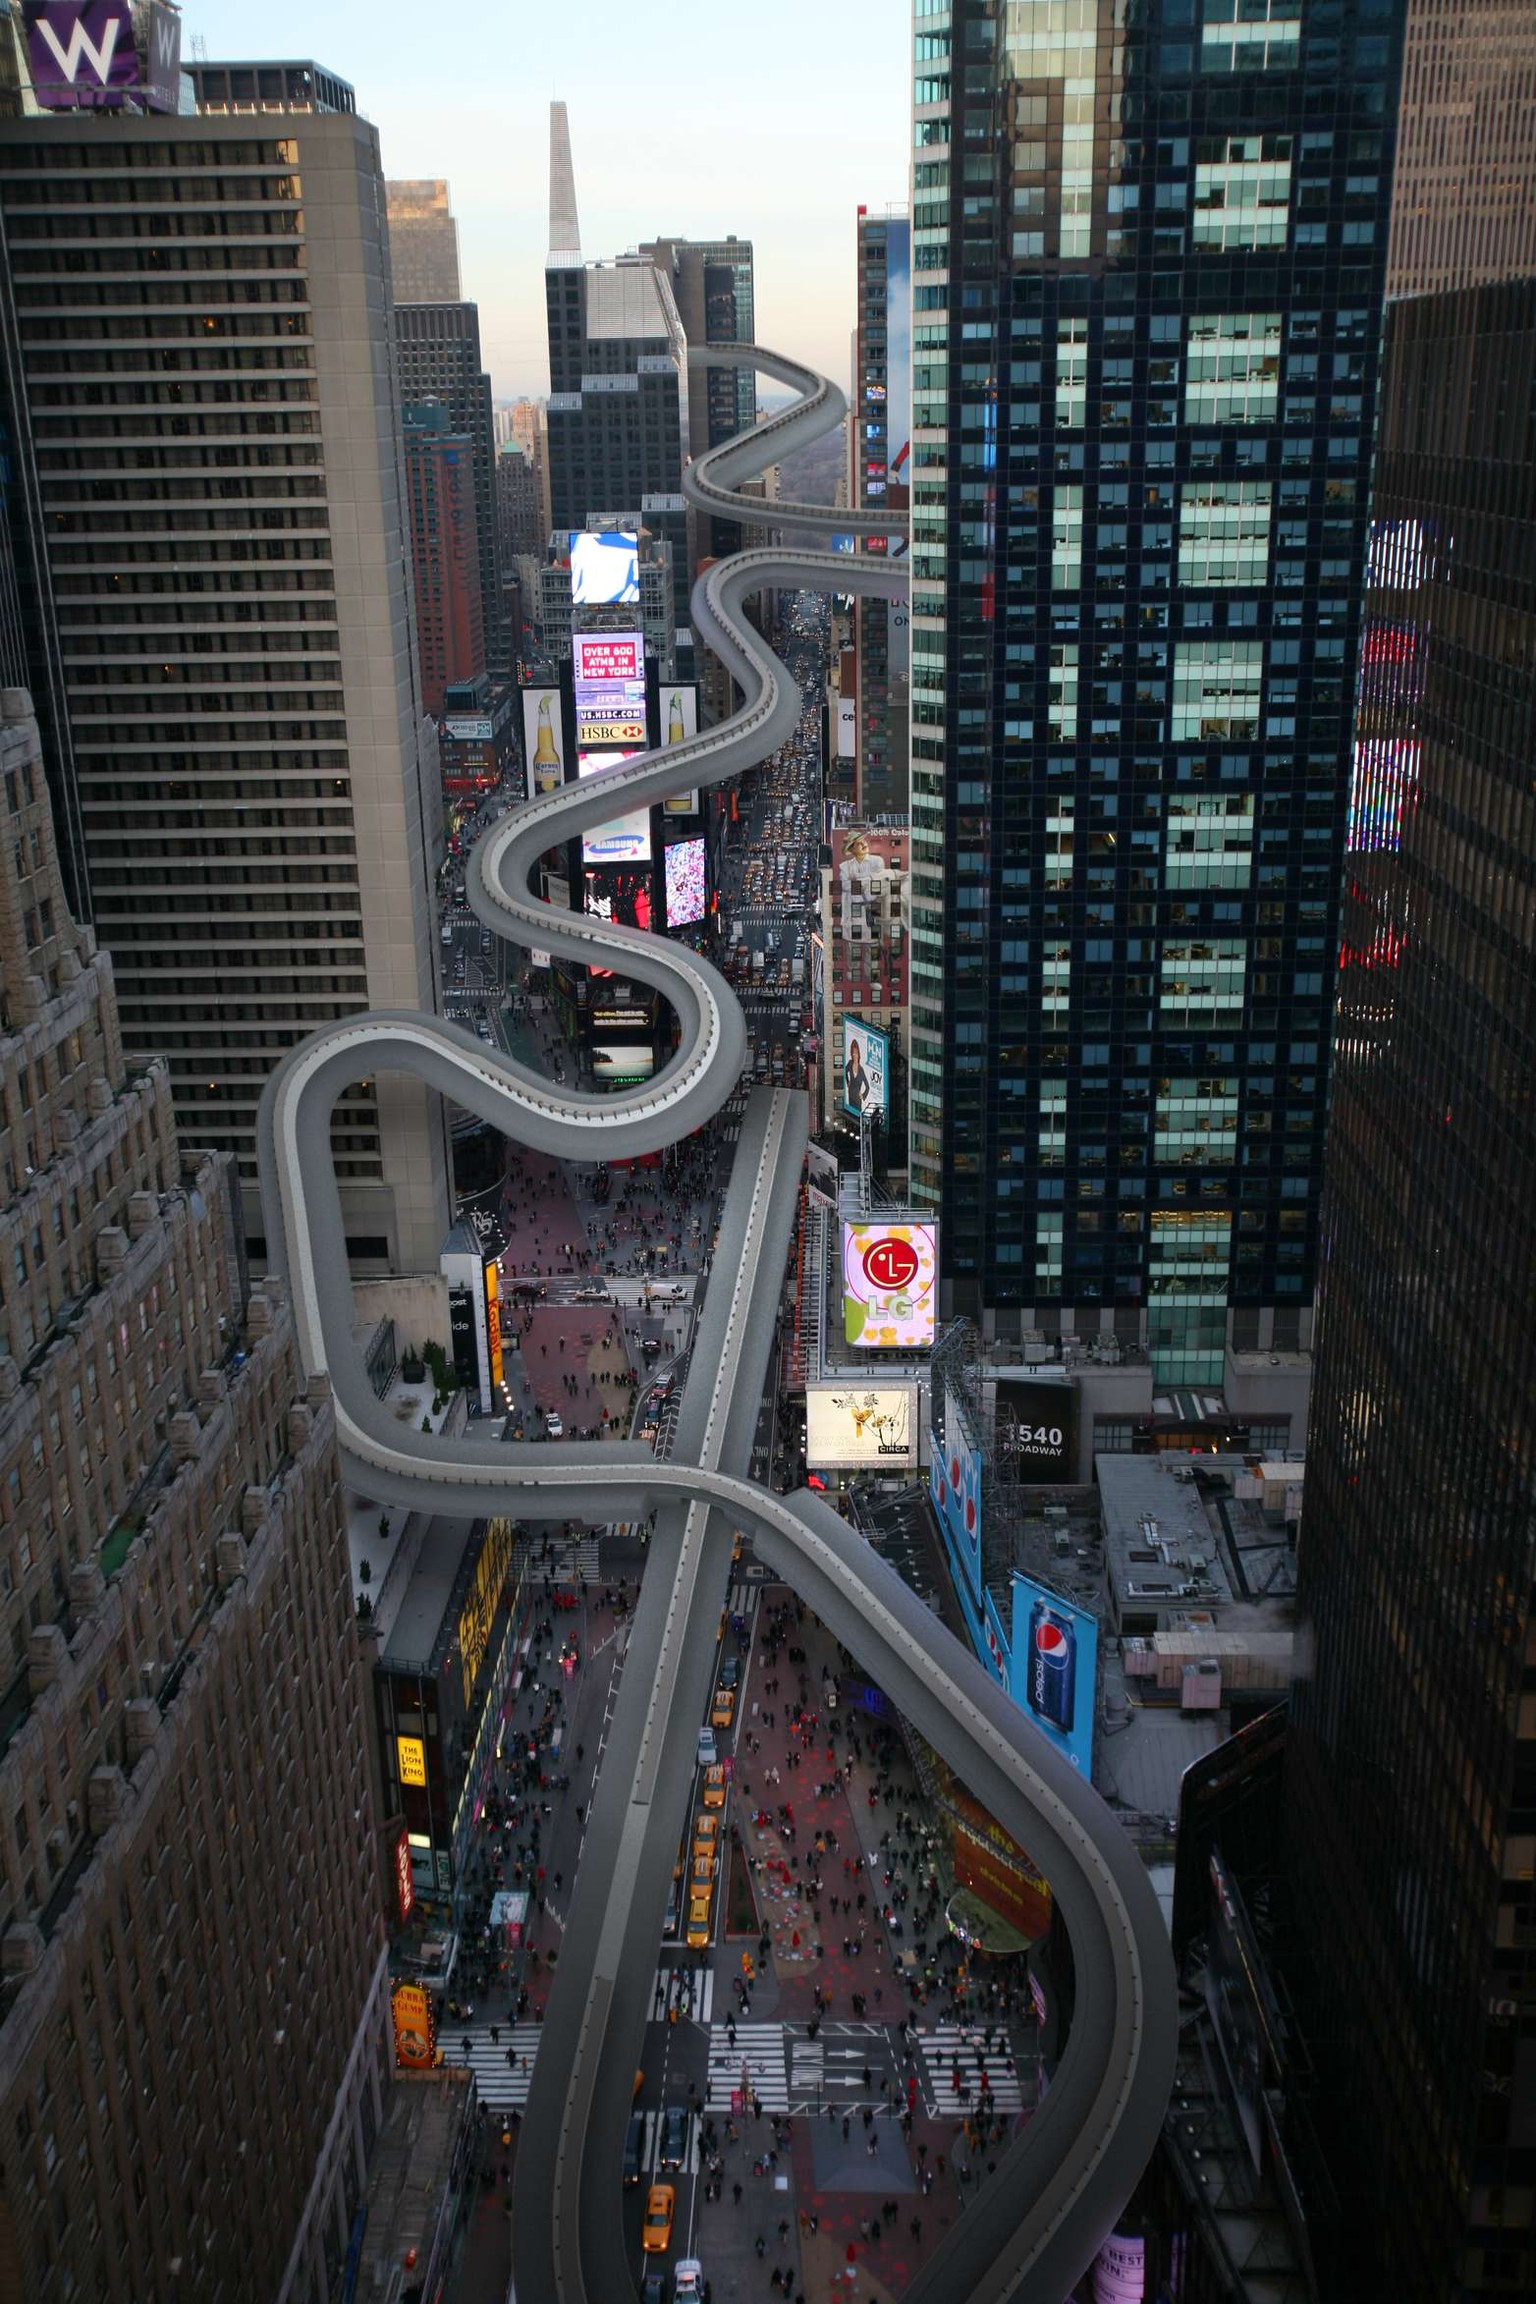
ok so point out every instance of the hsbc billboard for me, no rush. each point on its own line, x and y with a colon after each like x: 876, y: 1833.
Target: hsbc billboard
x: 83, y: 57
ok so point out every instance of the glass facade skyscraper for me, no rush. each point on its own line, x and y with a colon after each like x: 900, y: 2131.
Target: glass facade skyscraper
x: 1148, y: 254
x: 1411, y: 1769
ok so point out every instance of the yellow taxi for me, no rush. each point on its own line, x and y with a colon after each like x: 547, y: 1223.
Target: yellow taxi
x: 698, y: 1920
x: 714, y: 1786
x: 656, y: 2233
x: 706, y: 1834
x: 723, y: 1710
x: 704, y: 1869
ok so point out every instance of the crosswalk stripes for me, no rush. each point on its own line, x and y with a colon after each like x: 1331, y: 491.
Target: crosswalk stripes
x: 759, y: 2049
x: 942, y: 2046
x: 693, y: 1989
x: 743, y: 1600
x: 570, y: 1561
x: 503, y: 2068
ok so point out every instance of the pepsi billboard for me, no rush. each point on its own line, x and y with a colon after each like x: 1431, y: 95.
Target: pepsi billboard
x: 1056, y: 1668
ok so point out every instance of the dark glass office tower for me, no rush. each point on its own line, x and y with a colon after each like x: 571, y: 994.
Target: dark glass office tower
x: 1147, y: 279
x: 879, y: 453
x: 1411, y: 1773
x: 439, y: 350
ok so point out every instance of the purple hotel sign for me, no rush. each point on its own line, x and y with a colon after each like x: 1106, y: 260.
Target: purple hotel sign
x: 81, y: 54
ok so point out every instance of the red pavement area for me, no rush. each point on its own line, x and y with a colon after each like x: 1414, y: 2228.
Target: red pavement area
x: 580, y: 1342
x: 546, y: 1232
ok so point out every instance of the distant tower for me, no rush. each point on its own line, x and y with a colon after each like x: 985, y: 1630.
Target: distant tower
x: 564, y: 229
x: 423, y: 244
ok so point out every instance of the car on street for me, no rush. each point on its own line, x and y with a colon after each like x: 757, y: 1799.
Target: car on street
x: 653, y: 2288
x: 674, y: 2137
x: 706, y: 1834
x: 698, y: 1922
x: 554, y: 1425
x: 593, y: 1293
x: 656, y: 2233
x: 688, y: 2281
x: 723, y: 1710
x: 634, y: 2147
x: 714, y: 1786
x: 730, y: 1673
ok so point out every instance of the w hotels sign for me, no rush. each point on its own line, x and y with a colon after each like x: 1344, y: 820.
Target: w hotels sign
x: 83, y: 56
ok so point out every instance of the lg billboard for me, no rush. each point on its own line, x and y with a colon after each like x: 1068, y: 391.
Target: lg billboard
x: 890, y: 1271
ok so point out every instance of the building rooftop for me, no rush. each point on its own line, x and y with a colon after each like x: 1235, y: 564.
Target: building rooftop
x: 1160, y: 1548
x: 412, y: 1636
x: 626, y: 300
x: 412, y: 2179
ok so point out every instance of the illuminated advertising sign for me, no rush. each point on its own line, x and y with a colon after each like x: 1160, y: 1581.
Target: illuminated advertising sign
x: 412, y: 1753
x: 1055, y: 1668
x: 493, y: 1320
x: 405, y: 1885
x: 543, y: 748
x: 478, y: 1613
x: 627, y: 840
x: 1120, y: 2270
x: 866, y: 1070
x: 621, y: 896
x: 890, y: 1283
x: 608, y: 671
x: 955, y: 1485
x: 679, y: 721
x: 685, y: 883
x: 1036, y: 1427
x: 605, y: 568
x: 614, y: 1065
x: 81, y: 54
x: 854, y: 1426
x: 415, y: 2034
x: 1384, y: 788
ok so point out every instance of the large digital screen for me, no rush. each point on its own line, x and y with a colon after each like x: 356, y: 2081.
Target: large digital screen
x: 1055, y: 1668
x: 685, y: 883
x: 954, y: 1479
x: 543, y: 741
x: 890, y: 1283
x: 627, y: 840
x: 679, y: 721
x: 605, y: 568
x: 608, y: 675
x: 1383, y: 792
x: 866, y: 1070
x: 621, y: 896
x: 612, y: 1063
x: 861, y: 1427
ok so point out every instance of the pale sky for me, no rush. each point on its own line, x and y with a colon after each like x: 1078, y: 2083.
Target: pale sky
x: 686, y: 118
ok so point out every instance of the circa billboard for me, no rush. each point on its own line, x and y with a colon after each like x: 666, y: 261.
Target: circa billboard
x: 852, y: 1427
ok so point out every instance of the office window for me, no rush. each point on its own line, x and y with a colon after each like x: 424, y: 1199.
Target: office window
x: 1062, y: 706
x: 1250, y: 35
x: 1196, y: 1122
x: 1242, y: 192
x: 1203, y: 981
x: 1072, y: 373
x: 1056, y: 968
x: 1066, y: 539
x: 1209, y: 841
x: 1216, y: 690
x: 1053, y: 1123
x: 1224, y: 532
x: 1232, y: 371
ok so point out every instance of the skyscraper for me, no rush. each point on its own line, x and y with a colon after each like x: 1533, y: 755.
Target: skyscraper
x: 879, y: 454
x: 219, y: 466
x: 193, y: 1995
x: 1464, y: 189
x: 713, y: 287
x: 1147, y: 277
x: 438, y: 347
x: 1411, y: 1766
x: 618, y: 407
x: 423, y: 244
x: 440, y: 494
